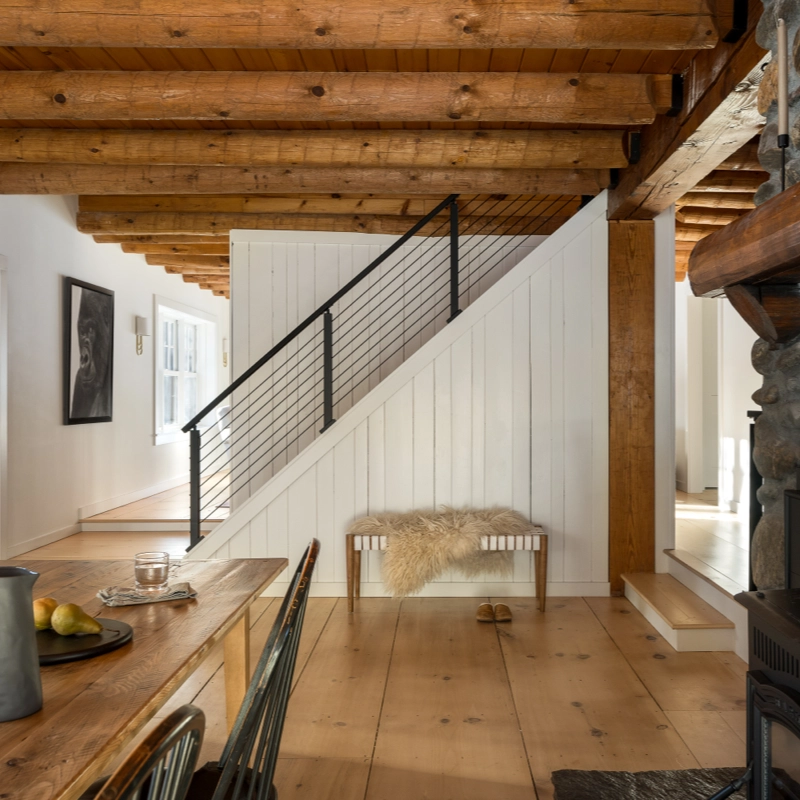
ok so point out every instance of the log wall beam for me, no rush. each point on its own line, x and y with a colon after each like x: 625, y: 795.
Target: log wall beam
x: 95, y: 179
x: 759, y: 246
x: 611, y: 99
x: 719, y: 116
x: 631, y: 295
x: 361, y: 24
x: 144, y: 223
x: 576, y: 149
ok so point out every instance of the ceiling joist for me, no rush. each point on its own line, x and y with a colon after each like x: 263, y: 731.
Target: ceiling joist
x: 177, y: 249
x: 361, y: 24
x: 547, y: 149
x: 95, y: 179
x: 144, y: 222
x: 159, y: 239
x: 572, y: 98
x: 468, y: 205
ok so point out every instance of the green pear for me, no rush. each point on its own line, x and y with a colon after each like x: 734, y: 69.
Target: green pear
x: 70, y: 618
x: 43, y: 609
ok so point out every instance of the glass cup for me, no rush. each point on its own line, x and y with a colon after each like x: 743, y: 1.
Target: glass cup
x: 151, y: 573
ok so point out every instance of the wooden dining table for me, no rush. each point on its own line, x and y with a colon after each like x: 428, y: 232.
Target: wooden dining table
x: 93, y: 708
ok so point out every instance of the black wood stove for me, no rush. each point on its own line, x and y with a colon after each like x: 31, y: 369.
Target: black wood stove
x: 773, y: 693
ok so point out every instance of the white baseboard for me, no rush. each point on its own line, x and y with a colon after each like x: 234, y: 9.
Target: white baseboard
x: 131, y: 497
x: 40, y: 541
x: 143, y: 527
x: 718, y: 600
x: 460, y: 589
x: 681, y: 486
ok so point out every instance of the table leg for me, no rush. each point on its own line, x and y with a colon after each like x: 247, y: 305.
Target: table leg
x: 351, y: 557
x: 237, y: 667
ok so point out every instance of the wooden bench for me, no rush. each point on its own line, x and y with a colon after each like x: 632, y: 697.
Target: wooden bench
x: 535, y: 541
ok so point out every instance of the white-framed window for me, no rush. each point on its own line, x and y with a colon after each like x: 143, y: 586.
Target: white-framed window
x: 185, y: 366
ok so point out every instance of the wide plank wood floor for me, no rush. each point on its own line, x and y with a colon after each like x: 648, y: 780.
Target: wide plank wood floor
x: 414, y: 699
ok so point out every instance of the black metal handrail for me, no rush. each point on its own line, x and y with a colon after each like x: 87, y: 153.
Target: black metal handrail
x: 376, y: 327
x: 290, y: 337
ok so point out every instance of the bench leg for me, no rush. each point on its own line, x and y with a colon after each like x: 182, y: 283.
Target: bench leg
x: 540, y: 567
x: 350, y: 552
x: 357, y: 574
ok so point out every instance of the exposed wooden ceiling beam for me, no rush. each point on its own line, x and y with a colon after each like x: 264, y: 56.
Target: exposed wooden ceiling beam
x: 95, y: 179
x: 177, y: 249
x: 731, y: 180
x: 610, y: 99
x: 98, y: 222
x: 719, y: 116
x: 708, y: 216
x: 196, y: 262
x: 693, y: 233
x: 745, y: 158
x: 742, y: 200
x: 576, y: 149
x: 166, y: 238
x: 362, y: 24
x: 468, y: 205
x: 184, y: 269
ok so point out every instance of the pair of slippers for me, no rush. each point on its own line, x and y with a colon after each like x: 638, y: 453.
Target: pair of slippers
x: 489, y: 613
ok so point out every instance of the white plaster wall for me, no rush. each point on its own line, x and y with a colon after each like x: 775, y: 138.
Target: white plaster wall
x: 506, y: 405
x: 54, y: 469
x: 737, y: 382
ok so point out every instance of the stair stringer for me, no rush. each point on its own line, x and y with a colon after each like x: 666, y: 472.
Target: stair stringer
x: 520, y: 447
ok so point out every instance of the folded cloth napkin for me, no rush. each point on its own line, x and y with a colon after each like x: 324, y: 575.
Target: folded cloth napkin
x: 126, y: 596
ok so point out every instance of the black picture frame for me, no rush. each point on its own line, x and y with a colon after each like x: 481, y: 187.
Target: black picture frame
x: 88, y: 341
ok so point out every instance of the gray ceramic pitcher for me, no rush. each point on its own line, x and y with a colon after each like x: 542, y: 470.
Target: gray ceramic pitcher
x: 20, y: 681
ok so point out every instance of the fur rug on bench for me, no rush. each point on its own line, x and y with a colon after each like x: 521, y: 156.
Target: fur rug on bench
x: 422, y: 545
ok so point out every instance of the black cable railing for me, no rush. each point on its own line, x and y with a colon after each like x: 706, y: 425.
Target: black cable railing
x: 351, y: 342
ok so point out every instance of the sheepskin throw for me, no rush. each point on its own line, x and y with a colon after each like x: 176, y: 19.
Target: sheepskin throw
x: 422, y: 545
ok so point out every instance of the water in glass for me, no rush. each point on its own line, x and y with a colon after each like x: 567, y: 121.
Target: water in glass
x: 151, y: 572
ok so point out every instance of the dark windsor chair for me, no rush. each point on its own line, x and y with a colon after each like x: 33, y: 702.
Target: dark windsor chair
x: 161, y: 767
x: 247, y: 765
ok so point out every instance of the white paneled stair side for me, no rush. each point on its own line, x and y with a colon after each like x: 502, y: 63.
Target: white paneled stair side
x: 507, y: 405
x: 685, y: 620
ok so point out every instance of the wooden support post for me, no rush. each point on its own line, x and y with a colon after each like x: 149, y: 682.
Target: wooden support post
x: 631, y: 300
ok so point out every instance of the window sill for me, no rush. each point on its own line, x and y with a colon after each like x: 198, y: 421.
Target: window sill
x: 171, y: 437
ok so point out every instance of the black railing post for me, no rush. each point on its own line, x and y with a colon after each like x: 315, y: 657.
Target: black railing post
x: 454, y: 309
x: 327, y: 370
x: 194, y: 487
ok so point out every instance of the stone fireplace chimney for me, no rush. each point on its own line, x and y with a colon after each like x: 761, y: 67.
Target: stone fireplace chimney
x: 777, y: 442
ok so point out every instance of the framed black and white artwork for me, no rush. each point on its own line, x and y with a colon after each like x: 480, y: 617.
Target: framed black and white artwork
x: 88, y: 352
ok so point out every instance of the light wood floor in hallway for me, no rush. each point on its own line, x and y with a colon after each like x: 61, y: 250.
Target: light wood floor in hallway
x: 415, y: 700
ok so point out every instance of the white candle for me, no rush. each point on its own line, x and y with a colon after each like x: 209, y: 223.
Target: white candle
x: 783, y: 79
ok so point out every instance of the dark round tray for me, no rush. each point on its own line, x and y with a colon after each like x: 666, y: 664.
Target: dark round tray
x: 56, y: 649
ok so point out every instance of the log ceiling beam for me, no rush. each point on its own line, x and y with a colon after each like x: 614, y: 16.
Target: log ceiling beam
x: 719, y: 116
x: 708, y: 216
x: 468, y: 205
x: 196, y: 262
x: 548, y: 149
x: 745, y: 158
x: 143, y: 223
x: 610, y: 99
x: 167, y: 238
x: 96, y: 179
x: 177, y: 249
x: 743, y: 200
x: 362, y: 24
x: 731, y: 180
x: 693, y: 233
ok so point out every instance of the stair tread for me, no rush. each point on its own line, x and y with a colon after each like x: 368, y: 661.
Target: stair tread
x: 677, y: 605
x: 722, y: 582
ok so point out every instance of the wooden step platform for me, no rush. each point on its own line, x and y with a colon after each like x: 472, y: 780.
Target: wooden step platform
x: 686, y: 621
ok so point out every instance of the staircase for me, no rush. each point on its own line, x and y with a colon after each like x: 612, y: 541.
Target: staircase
x: 298, y: 389
x: 504, y: 403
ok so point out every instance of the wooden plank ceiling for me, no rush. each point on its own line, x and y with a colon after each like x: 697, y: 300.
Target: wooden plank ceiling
x: 177, y: 121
